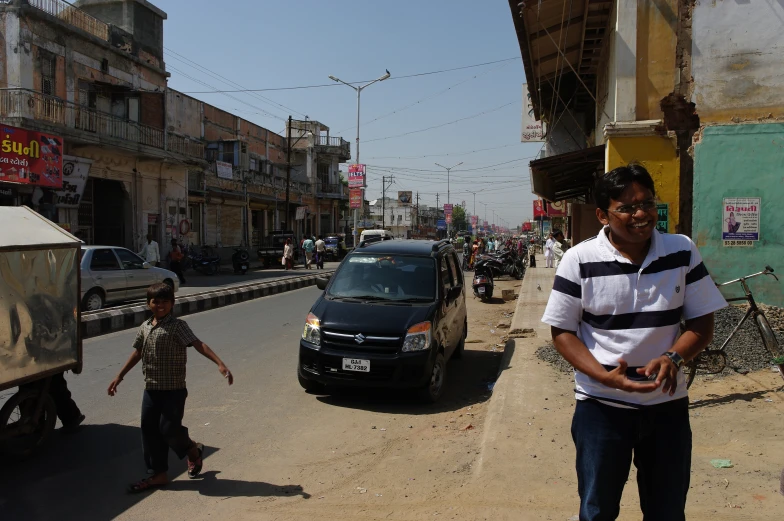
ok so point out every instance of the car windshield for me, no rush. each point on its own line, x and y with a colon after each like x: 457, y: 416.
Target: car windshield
x: 385, y: 277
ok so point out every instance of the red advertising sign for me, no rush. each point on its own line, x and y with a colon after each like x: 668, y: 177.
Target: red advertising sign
x: 474, y: 220
x: 31, y: 158
x: 355, y: 198
x: 448, y: 209
x: 539, y: 210
x: 557, y: 209
x: 356, y: 176
x: 449, y: 218
x: 526, y: 227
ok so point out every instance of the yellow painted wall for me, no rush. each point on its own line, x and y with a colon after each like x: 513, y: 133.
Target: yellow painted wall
x: 656, y: 41
x: 659, y: 155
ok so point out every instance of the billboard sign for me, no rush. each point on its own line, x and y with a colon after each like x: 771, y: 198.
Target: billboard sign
x: 223, y: 170
x: 539, y: 210
x: 355, y: 198
x: 474, y: 220
x: 741, y: 221
x: 532, y: 130
x: 526, y: 226
x: 356, y: 176
x: 448, y: 209
x: 75, y: 172
x: 441, y: 224
x: 557, y: 209
x: 449, y: 218
x: 31, y: 158
x: 405, y: 198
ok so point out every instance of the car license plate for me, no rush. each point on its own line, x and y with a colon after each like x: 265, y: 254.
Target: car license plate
x: 354, y: 364
x: 244, y: 266
x: 481, y: 289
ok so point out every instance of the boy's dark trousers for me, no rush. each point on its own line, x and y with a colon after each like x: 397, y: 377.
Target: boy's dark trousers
x: 162, y: 428
x: 320, y: 259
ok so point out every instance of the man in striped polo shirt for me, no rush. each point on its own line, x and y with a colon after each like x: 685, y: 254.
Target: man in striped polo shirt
x: 615, y: 313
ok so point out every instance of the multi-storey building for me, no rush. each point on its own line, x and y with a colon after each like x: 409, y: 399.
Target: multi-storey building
x: 92, y: 75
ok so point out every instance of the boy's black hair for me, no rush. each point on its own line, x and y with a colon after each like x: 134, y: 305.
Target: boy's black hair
x: 160, y: 291
x: 612, y: 184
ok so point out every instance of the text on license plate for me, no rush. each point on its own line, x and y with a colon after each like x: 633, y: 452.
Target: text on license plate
x: 481, y: 289
x: 244, y: 267
x: 354, y: 364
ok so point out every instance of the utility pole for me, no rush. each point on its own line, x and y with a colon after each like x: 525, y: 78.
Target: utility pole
x: 417, y: 215
x: 288, y: 174
x: 448, y: 199
x: 384, y: 198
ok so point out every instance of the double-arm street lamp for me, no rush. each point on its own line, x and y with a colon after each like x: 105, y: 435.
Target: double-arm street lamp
x: 359, y: 89
x: 448, y: 225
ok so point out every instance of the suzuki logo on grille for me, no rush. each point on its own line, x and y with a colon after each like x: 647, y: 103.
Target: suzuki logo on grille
x: 359, y: 338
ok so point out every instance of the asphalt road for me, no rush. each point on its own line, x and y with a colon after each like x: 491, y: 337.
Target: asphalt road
x: 265, y: 436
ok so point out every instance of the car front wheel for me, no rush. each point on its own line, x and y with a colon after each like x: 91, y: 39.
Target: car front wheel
x: 93, y: 300
x: 434, y: 388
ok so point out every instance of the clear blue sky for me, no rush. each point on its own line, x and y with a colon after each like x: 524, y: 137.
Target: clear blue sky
x: 259, y: 44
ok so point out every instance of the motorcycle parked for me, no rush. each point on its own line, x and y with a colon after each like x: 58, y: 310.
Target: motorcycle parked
x: 240, y: 260
x: 504, y: 263
x: 205, y: 262
x: 483, y: 282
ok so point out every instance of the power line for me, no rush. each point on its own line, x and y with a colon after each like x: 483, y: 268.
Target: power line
x: 323, y: 85
x: 442, y: 124
x: 451, y: 154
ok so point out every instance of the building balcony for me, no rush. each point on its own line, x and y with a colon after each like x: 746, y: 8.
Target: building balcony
x: 68, y: 14
x: 333, y: 145
x: 331, y: 191
x: 85, y: 125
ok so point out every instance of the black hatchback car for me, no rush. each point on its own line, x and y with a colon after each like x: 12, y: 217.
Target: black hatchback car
x: 391, y: 316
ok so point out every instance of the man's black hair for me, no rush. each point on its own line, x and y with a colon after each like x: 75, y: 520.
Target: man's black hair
x: 612, y: 184
x: 557, y: 232
x: 160, y: 291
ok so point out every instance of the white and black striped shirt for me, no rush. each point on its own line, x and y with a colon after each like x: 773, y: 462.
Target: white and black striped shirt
x: 624, y: 311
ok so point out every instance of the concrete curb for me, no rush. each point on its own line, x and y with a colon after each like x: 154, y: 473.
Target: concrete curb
x: 127, y: 317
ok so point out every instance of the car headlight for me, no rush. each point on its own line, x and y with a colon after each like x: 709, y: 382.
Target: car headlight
x: 312, y: 331
x: 417, y: 337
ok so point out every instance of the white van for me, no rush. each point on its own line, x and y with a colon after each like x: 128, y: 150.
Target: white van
x: 369, y: 236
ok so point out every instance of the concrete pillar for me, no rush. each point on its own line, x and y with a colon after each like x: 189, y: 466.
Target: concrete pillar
x: 624, y: 58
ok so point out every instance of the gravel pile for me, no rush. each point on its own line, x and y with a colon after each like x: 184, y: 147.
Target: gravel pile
x: 745, y: 352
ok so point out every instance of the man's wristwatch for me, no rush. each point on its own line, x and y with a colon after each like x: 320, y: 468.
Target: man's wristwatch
x: 675, y: 358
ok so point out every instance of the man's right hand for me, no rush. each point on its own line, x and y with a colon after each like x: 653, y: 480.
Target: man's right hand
x: 617, y: 379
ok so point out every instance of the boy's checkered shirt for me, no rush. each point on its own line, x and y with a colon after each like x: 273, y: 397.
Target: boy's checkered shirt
x: 164, y: 352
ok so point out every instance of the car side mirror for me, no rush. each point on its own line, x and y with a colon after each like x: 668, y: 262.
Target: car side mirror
x: 321, y: 282
x: 146, y: 265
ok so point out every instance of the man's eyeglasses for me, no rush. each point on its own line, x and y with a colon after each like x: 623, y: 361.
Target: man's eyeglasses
x: 631, y: 209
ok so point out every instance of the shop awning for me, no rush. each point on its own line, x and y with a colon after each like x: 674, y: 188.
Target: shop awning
x: 568, y: 175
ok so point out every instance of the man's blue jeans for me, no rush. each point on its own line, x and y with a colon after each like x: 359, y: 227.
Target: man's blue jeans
x: 608, y: 439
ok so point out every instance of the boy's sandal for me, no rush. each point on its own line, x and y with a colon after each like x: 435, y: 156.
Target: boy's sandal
x: 144, y: 485
x: 194, y: 467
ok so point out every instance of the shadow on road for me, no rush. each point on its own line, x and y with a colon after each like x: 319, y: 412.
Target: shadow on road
x: 210, y: 485
x: 715, y: 400
x: 468, y: 381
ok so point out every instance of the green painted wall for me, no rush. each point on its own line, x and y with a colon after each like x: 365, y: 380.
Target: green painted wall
x: 741, y: 161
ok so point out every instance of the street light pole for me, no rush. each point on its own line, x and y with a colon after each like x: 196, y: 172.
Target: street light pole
x: 448, y: 201
x: 359, y: 92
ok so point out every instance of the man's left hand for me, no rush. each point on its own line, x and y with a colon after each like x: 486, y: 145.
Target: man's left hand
x: 666, y: 372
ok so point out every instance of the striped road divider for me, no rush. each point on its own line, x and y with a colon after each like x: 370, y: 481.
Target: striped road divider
x: 98, y: 323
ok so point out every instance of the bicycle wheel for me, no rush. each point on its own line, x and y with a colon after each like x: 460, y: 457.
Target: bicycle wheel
x: 771, y: 342
x: 17, y: 414
x: 690, y: 370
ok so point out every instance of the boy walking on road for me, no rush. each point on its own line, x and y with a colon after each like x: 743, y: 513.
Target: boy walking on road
x: 161, y: 345
x: 615, y: 313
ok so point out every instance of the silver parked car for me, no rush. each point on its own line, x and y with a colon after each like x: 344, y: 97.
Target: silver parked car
x: 112, y: 274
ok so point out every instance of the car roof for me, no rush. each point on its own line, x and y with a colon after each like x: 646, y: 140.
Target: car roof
x: 403, y: 247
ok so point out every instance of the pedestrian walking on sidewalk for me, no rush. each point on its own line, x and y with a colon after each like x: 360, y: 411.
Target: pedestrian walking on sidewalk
x: 308, y: 245
x: 288, y: 255
x: 558, y: 248
x: 175, y: 260
x: 615, y: 314
x: 161, y: 345
x: 548, y: 251
x: 321, y: 252
x: 151, y: 253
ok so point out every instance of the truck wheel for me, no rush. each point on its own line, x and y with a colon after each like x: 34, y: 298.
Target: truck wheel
x: 32, y: 433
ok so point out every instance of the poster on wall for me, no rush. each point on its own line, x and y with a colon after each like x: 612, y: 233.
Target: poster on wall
x: 75, y: 173
x: 31, y: 158
x: 223, y: 170
x: 740, y: 221
x: 355, y: 198
x: 356, y: 176
x: 663, y: 220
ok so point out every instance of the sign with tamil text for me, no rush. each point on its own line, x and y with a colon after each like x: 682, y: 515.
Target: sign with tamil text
x: 355, y: 198
x: 741, y: 221
x: 356, y: 176
x: 31, y: 158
